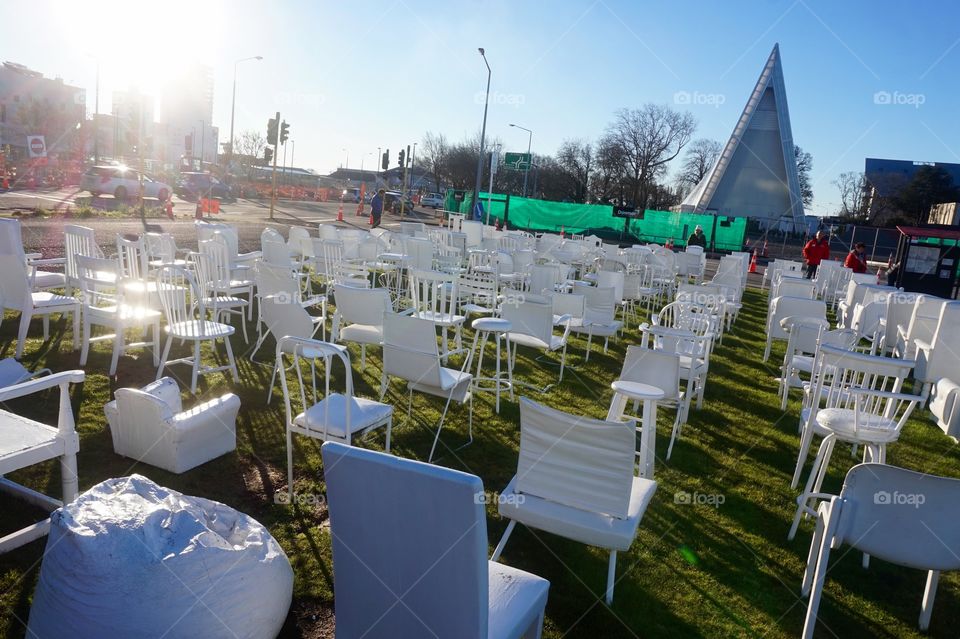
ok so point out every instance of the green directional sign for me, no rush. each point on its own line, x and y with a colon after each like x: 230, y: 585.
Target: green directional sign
x: 516, y: 161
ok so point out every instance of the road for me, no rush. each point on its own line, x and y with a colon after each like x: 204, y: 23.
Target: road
x: 44, y: 234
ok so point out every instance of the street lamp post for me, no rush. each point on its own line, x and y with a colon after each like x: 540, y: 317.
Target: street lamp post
x: 96, y: 120
x: 483, y: 133
x: 233, y: 103
x: 347, y: 164
x: 526, y: 171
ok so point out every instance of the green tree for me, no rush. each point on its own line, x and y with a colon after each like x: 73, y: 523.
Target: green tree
x: 804, y: 166
x: 930, y: 185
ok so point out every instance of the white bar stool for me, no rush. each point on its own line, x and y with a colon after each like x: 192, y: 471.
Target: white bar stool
x: 623, y: 392
x: 484, y: 327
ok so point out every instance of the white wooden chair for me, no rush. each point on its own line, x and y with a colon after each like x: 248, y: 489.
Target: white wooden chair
x: 444, y: 586
x: 575, y: 478
x: 435, y: 299
x: 16, y: 294
x: 782, y: 307
x: 220, y: 292
x: 944, y: 406
x: 77, y: 240
x: 11, y: 242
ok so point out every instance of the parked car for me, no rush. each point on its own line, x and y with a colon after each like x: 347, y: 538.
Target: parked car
x: 122, y: 182
x: 192, y: 186
x: 392, y: 202
x: 433, y: 200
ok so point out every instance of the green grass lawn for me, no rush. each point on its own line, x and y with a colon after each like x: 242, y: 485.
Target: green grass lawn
x: 703, y: 570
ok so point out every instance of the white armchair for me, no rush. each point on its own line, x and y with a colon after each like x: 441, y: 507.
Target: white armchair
x: 945, y: 408
x: 150, y: 425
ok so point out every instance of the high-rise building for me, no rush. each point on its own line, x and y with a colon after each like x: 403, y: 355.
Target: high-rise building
x: 186, y: 111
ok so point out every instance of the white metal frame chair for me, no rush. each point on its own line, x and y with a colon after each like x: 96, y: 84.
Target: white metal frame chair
x: 807, y: 335
x: 445, y: 587
x: 691, y: 345
x: 280, y: 281
x: 660, y: 369
x: 332, y: 416
x: 17, y: 294
x: 176, y: 286
x: 782, y: 307
x: 284, y: 317
x: 532, y: 325
x: 435, y: 298
x: 599, y: 314
x: 359, y: 317
x: 900, y: 516
x: 575, y: 478
x: 410, y: 353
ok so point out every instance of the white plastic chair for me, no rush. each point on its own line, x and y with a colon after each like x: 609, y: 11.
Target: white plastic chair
x: 359, y: 317
x: 575, y: 478
x: 410, y: 353
x: 691, y: 345
x: 940, y: 357
x: 104, y: 305
x: 854, y: 398
x: 176, y: 285
x: 922, y: 325
x: 443, y: 586
x: 150, y: 425
x: 16, y: 294
x: 11, y: 242
x: 782, y: 307
x: 944, y: 406
x: 532, y: 326
x: 900, y: 516
x: 331, y: 416
x: 26, y: 442
x: 895, y: 319
x: 599, y: 314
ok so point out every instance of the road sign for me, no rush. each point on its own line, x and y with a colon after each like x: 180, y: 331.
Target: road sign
x: 37, y: 146
x: 516, y: 161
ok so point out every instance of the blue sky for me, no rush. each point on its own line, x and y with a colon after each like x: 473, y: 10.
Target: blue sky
x: 361, y: 74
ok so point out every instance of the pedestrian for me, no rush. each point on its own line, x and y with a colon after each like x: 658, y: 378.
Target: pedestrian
x: 857, y: 259
x: 814, y: 252
x: 376, y: 207
x: 697, y: 238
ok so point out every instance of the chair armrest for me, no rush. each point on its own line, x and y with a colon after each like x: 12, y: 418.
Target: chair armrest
x: 222, y: 410
x: 41, y: 383
x: 50, y: 261
x: 167, y: 391
x: 870, y: 392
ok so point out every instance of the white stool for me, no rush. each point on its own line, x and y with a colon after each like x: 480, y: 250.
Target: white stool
x: 499, y: 328
x: 624, y: 391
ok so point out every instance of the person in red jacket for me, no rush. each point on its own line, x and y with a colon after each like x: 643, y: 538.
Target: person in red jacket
x: 815, y: 251
x: 857, y: 258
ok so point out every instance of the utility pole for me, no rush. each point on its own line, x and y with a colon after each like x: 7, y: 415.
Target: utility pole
x: 273, y: 188
x: 403, y: 187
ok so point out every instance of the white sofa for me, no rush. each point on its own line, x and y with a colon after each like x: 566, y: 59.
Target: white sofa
x: 150, y: 425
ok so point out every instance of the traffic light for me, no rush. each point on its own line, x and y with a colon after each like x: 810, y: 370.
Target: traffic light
x: 385, y: 160
x: 284, y: 132
x: 272, y: 131
x: 400, y: 158
x: 267, y: 155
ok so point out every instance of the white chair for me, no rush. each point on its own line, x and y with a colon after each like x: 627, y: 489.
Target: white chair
x: 13, y: 372
x: 660, y: 369
x: 161, y: 250
x: 25, y: 442
x: 359, y: 317
x: 77, y: 240
x: 16, y: 294
x: 104, y: 305
x: 279, y: 281
x: 285, y: 318
x: 150, y: 425
x: 219, y: 291
x: 691, y: 345
x: 410, y: 353
x: 895, y: 319
x: 11, y: 242
x: 854, y: 398
x: 782, y: 307
x: 532, y: 326
x: 435, y: 298
x: 922, y: 325
x: 420, y: 570
x: 807, y: 335
x: 478, y: 293
x: 900, y: 516
x: 599, y: 314
x: 575, y: 478
x: 940, y: 357
x: 176, y: 286
x: 238, y: 260
x: 944, y: 406
x: 331, y: 416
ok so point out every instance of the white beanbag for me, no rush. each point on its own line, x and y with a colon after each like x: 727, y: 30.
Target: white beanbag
x: 129, y: 558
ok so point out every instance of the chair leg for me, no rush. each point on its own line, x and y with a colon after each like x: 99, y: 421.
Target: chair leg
x: 117, y: 349
x: 503, y: 540
x: 25, y: 318
x: 273, y: 379
x: 290, y: 464
x: 929, y: 593
x: 85, y: 349
x: 586, y: 356
x: 817, y: 472
x: 563, y: 361
x: 46, y: 327
x: 233, y: 363
x: 611, y: 575
x: 196, y: 367
x: 163, y: 358
x: 806, y: 439
x: 819, y: 575
x: 674, y: 434
x: 75, y: 313
x: 389, y: 427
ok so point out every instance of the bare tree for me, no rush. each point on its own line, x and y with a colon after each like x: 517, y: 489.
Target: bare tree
x: 852, y: 186
x: 575, y: 158
x: 700, y: 157
x: 250, y: 145
x: 434, y: 155
x: 607, y: 182
x: 649, y: 137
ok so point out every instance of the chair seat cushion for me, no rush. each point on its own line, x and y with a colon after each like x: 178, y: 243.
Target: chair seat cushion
x: 196, y: 329
x: 46, y: 279
x: 606, y: 329
x: 441, y: 319
x: 872, y: 428
x: 586, y: 527
x: 516, y: 599
x: 362, y: 334
x: 556, y: 342
x: 364, y: 413
x: 46, y: 299
x: 459, y: 381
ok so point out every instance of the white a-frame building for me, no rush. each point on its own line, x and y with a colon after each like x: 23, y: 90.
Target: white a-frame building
x: 756, y: 173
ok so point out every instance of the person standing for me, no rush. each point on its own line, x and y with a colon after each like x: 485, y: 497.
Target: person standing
x: 697, y: 238
x: 814, y: 252
x: 376, y: 207
x: 857, y: 258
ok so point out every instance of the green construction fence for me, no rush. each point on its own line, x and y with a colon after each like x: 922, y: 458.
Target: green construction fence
x: 722, y: 232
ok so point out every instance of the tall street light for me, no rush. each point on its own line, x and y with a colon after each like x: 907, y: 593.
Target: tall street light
x: 483, y: 133
x: 347, y: 165
x: 526, y: 171
x: 233, y: 103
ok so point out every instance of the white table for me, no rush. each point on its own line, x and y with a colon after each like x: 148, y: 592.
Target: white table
x: 624, y: 391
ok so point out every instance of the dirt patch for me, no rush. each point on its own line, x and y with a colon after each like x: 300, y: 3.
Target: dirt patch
x: 261, y: 480
x: 310, y: 620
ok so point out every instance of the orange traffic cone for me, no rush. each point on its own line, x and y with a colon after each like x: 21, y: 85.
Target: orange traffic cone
x: 340, y: 212
x: 561, y: 231
x: 371, y: 218
x: 753, y: 263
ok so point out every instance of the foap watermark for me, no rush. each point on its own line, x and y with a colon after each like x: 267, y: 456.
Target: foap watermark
x: 294, y: 98
x: 506, y: 99
x: 684, y: 498
x: 488, y: 497
x: 898, y: 98
x: 896, y: 498
x: 284, y: 498
x: 696, y: 98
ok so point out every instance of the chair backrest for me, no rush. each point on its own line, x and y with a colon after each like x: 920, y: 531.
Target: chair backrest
x: 544, y: 278
x: 474, y: 232
x: 77, y: 240
x: 274, y: 250
x: 160, y: 246
x: 419, y: 253
x: 575, y: 461
x: 328, y: 232
x: 944, y: 405
x: 599, y: 303
x: 478, y: 288
x: 98, y: 281
x: 320, y: 355
x: 11, y: 242
x: 899, y: 313
x: 657, y: 368
x: 206, y: 231
x: 923, y: 321
x: 14, y: 284
x: 837, y: 371
x: 177, y: 290
x: 434, y: 292
x: 946, y: 339
x: 794, y: 287
x: 214, y: 272
x: 364, y: 306
x: 285, y: 317
x: 270, y: 234
x: 782, y: 307
x: 410, y: 349
x: 274, y: 279
x: 901, y: 516
x: 132, y: 256
x: 530, y: 318
x: 433, y: 553
x: 614, y: 280
x: 298, y: 239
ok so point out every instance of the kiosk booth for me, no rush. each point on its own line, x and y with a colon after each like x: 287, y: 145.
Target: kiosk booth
x: 929, y: 259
